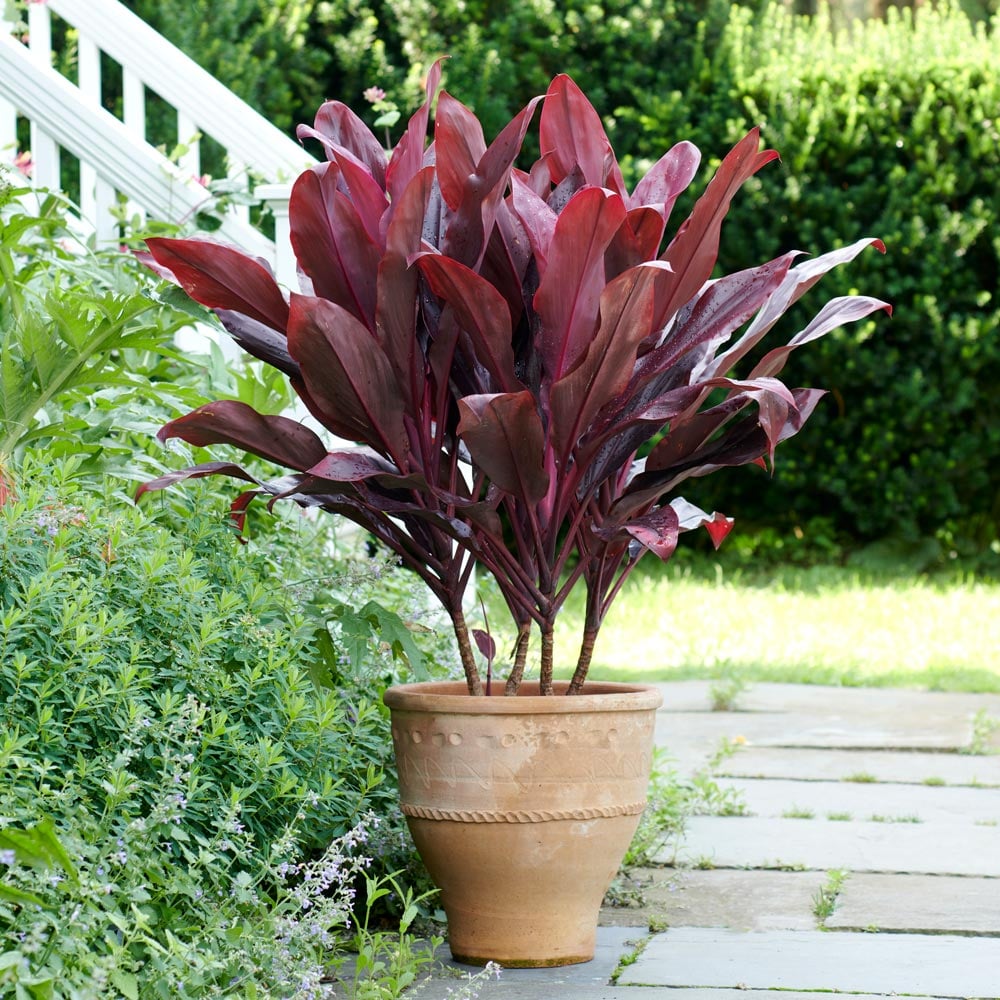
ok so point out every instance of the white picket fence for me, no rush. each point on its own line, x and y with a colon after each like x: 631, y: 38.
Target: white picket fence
x: 67, y: 119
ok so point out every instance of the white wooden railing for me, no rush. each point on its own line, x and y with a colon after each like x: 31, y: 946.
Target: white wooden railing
x: 67, y: 119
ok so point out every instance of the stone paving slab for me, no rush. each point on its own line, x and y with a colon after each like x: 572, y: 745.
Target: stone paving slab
x: 926, y: 904
x: 742, y: 900
x: 695, y: 696
x: 914, y: 767
x: 896, y: 964
x: 904, y: 731
x: 921, y: 848
x: 503, y: 990
x: 862, y: 801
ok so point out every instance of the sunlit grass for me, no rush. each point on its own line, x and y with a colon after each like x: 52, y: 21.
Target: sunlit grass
x: 824, y: 625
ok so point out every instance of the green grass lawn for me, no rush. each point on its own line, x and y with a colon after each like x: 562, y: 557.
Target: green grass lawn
x: 824, y: 625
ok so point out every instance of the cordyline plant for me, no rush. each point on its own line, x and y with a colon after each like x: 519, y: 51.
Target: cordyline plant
x: 501, y: 344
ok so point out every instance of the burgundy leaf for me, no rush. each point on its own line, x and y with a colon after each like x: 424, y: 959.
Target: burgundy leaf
x: 655, y: 531
x: 338, y: 124
x: 571, y: 135
x: 408, y: 156
x: 504, y: 435
x: 278, y: 439
x: 568, y: 296
x: 694, y: 249
x: 481, y: 311
x: 637, y: 241
x: 485, y: 643
x: 667, y: 179
x: 479, y: 193
x: 348, y: 375
x: 398, y: 285
x: 366, y: 196
x: 331, y: 243
x: 626, y: 311
x: 837, y: 312
x: 459, y: 143
x: 261, y: 341
x: 221, y: 277
x: 724, y: 306
x: 537, y: 218
x: 195, y: 472
x: 796, y: 283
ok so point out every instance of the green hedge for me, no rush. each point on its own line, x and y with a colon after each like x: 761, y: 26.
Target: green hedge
x: 891, y: 130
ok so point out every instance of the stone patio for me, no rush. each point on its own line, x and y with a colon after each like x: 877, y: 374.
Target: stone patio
x: 882, y: 787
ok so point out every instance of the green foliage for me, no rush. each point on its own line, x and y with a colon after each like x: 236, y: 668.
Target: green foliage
x: 81, y: 332
x: 888, y: 130
x: 156, y: 709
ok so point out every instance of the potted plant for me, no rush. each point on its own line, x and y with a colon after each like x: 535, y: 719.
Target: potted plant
x: 501, y: 343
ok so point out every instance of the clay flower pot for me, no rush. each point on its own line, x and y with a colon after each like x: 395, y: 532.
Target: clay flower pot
x: 522, y: 809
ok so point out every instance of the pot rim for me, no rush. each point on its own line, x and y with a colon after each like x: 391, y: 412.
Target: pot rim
x: 453, y: 697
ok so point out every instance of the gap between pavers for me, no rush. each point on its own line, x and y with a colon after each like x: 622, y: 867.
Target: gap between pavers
x: 775, y: 798
x: 751, y: 842
x: 920, y: 904
x: 891, y: 964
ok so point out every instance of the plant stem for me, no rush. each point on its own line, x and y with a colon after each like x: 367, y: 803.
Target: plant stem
x: 583, y: 660
x: 472, y: 678
x: 520, y: 658
x: 548, y: 646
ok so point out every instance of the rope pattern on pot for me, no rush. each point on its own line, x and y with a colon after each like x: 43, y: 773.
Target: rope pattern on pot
x: 521, y: 815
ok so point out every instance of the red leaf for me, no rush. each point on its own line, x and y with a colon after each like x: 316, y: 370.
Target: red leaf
x: 836, y: 312
x: 666, y: 179
x: 723, y: 306
x: 480, y: 310
x: 695, y: 248
x: 459, y: 145
x: 718, y: 528
x: 626, y: 310
x: 485, y: 643
x: 796, y: 283
x: 278, y: 439
x: 408, y: 156
x: 568, y: 296
x: 343, y: 129
x: 222, y: 277
x: 398, y: 284
x: 347, y: 375
x: 571, y: 135
x: 479, y: 193
x: 504, y: 435
x: 637, y: 241
x: 538, y: 219
x: 331, y: 243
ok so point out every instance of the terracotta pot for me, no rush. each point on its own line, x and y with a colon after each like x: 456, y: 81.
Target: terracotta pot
x: 522, y: 809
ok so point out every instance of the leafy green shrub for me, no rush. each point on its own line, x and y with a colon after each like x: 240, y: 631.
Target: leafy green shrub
x: 86, y: 340
x: 156, y: 703
x: 889, y: 130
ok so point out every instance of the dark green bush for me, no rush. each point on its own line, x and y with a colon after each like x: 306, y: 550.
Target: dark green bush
x: 891, y: 130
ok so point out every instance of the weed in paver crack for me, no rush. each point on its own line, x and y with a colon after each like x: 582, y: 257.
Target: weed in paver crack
x: 797, y: 812
x: 987, y: 822
x: 984, y: 726
x: 879, y: 818
x: 673, y: 799
x: 726, y: 687
x: 861, y: 778
x: 657, y: 925
x: 825, y: 900
x: 839, y: 817
x: 935, y: 781
x: 629, y: 958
